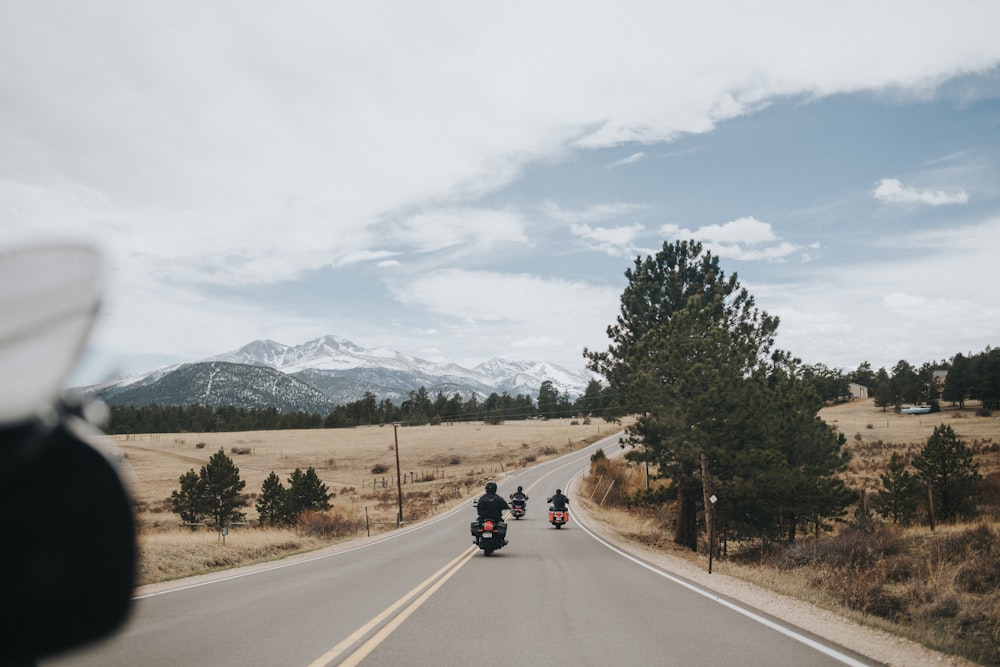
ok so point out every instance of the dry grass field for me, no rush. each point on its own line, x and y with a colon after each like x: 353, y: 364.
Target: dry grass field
x: 874, y: 434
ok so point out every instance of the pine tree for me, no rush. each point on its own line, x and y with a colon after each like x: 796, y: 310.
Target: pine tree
x: 188, y: 501
x: 222, y: 485
x: 946, y: 464
x: 271, y: 505
x: 720, y: 412
x: 306, y: 493
x: 900, y: 495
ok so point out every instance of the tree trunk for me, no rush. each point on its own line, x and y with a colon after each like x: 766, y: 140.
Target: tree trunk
x: 687, y: 514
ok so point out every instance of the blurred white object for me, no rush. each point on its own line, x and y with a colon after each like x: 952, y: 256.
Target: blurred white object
x: 49, y: 295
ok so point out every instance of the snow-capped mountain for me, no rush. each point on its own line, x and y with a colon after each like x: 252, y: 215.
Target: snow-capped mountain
x: 343, y: 372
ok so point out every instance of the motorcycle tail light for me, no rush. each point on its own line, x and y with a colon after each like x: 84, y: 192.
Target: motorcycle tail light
x: 488, y: 525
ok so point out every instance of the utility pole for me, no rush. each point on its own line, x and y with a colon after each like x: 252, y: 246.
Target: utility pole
x: 399, y: 477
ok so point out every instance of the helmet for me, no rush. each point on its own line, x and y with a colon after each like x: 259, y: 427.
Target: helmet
x: 558, y: 490
x: 519, y: 489
x: 491, y: 487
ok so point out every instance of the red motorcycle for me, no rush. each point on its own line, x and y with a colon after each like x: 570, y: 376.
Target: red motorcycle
x: 558, y: 517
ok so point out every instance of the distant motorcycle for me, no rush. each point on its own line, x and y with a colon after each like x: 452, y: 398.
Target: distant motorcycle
x: 558, y: 517
x: 518, y: 507
x: 489, y: 535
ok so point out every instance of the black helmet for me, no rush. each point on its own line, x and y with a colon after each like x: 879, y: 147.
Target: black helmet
x: 558, y: 490
x: 519, y: 489
x: 491, y: 487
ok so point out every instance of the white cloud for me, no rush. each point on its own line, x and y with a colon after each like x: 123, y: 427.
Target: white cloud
x: 595, y: 213
x: 615, y: 241
x: 631, y: 159
x: 473, y: 229
x: 892, y: 191
x: 252, y: 145
x: 745, y: 238
x: 896, y: 308
x: 499, y: 314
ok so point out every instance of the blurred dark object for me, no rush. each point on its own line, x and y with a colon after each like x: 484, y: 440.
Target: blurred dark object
x: 67, y: 532
x: 68, y: 561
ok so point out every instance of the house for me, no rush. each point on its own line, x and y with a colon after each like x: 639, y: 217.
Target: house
x: 858, y: 390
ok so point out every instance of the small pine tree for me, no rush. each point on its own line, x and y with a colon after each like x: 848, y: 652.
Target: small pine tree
x: 306, y: 493
x: 271, y: 504
x: 946, y: 464
x: 222, y: 487
x: 188, y: 501
x: 900, y: 494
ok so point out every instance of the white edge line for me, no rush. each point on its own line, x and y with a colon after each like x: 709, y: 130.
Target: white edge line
x: 822, y: 648
x: 281, y: 566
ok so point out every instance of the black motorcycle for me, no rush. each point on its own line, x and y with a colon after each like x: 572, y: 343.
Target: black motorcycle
x: 489, y: 535
x: 518, y: 507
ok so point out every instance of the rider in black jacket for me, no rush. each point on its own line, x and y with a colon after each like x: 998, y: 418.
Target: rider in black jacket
x: 558, y: 501
x: 519, y: 494
x: 490, y: 505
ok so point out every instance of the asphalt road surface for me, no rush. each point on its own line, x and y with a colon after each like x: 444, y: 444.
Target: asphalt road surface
x: 424, y: 595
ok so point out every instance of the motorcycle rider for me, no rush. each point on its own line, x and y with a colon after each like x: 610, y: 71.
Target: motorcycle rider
x: 519, y: 494
x: 558, y: 501
x: 490, y: 505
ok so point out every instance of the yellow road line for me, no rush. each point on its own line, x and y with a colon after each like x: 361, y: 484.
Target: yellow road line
x: 390, y: 627
x: 331, y: 655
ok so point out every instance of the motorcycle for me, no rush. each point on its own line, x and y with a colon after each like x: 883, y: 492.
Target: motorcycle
x: 489, y: 535
x: 518, y: 507
x: 558, y: 517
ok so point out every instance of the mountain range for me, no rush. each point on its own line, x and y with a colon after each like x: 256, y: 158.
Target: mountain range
x: 322, y: 373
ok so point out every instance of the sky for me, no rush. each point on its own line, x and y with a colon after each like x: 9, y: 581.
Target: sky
x: 462, y: 181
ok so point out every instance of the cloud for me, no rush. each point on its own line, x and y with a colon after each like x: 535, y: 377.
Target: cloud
x: 471, y: 230
x: 595, y: 213
x: 614, y: 241
x: 631, y: 159
x: 494, y: 313
x: 895, y: 308
x: 745, y: 239
x: 892, y: 191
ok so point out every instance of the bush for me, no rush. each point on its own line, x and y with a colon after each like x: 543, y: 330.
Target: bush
x: 328, y: 524
x: 380, y: 469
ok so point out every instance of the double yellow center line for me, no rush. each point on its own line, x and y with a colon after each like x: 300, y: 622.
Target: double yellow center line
x: 409, y: 603
x: 400, y: 610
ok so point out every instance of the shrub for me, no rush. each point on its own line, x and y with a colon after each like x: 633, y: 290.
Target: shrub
x: 380, y: 469
x: 328, y: 524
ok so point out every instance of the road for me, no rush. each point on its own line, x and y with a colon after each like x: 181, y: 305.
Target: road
x: 425, y: 595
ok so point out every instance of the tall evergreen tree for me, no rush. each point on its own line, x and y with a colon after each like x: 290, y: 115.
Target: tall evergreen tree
x: 946, y: 464
x: 957, y: 383
x: 719, y: 411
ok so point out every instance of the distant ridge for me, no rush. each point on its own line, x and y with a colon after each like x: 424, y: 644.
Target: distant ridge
x: 322, y: 373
